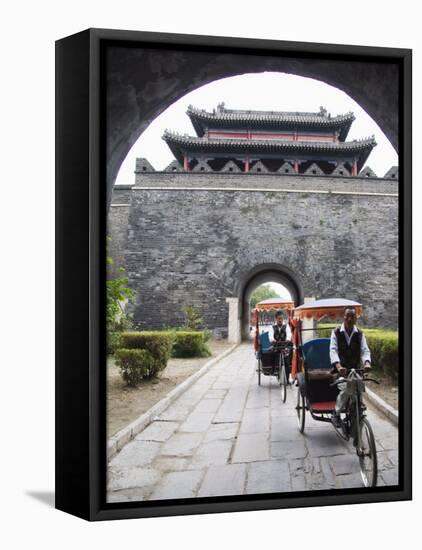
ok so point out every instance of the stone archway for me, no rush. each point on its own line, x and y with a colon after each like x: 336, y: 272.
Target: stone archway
x: 142, y: 83
x: 260, y: 275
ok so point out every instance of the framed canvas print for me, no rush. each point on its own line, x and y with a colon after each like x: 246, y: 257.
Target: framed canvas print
x: 233, y: 274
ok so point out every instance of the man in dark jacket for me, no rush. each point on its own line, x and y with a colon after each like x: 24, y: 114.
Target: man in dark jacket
x: 278, y: 333
x: 348, y: 350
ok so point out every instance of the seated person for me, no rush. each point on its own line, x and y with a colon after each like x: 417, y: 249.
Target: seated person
x: 348, y: 349
x: 280, y: 332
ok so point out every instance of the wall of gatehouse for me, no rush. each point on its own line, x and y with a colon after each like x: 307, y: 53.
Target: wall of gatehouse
x: 193, y: 238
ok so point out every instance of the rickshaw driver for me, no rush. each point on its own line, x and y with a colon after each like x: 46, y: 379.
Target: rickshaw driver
x: 280, y: 332
x: 348, y: 349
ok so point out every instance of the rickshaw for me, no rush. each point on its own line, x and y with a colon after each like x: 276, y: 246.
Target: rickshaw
x: 318, y: 387
x: 272, y: 359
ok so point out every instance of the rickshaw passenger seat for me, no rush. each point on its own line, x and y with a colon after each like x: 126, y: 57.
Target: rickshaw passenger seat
x: 317, y: 359
x: 264, y: 340
x: 316, y: 354
x: 318, y: 369
x: 266, y: 350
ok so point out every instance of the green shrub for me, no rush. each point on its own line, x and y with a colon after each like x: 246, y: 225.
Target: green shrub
x: 191, y: 344
x: 384, y: 346
x: 135, y: 364
x: 113, y: 342
x: 324, y: 332
x: 193, y: 318
x: 158, y: 343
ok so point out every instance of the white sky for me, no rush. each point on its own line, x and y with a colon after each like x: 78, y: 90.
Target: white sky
x: 281, y: 290
x: 264, y: 91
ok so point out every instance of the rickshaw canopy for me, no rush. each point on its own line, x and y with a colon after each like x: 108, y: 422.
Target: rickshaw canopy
x: 274, y: 304
x: 271, y: 304
x: 330, y: 307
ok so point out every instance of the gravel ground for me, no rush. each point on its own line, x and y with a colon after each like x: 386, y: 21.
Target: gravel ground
x: 387, y: 389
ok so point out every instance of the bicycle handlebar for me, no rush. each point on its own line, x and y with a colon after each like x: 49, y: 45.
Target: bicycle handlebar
x: 342, y: 380
x: 338, y: 381
x: 281, y: 345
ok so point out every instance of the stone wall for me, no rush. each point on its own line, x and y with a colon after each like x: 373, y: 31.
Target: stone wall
x: 194, y: 239
x: 117, y: 228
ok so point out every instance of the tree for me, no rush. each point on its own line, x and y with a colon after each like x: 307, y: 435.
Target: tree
x: 263, y: 292
x: 193, y: 318
x: 117, y: 294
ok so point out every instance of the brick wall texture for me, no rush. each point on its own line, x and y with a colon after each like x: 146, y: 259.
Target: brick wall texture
x: 194, y: 238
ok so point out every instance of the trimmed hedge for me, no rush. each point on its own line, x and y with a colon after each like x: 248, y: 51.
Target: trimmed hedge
x: 190, y: 344
x: 158, y: 343
x: 144, y: 354
x: 135, y: 364
x: 384, y: 346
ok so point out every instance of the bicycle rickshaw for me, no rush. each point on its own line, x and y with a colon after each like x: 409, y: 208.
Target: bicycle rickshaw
x: 318, y: 387
x: 272, y: 359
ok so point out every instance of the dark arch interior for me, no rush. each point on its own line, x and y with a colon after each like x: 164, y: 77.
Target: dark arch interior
x: 265, y: 274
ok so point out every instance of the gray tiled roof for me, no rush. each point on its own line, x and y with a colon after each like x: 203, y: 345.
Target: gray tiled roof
x: 201, y: 119
x: 213, y: 144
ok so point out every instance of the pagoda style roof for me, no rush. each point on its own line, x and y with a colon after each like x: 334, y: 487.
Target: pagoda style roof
x: 221, y: 117
x: 180, y: 144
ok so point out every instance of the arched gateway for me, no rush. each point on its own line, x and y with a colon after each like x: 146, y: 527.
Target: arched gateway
x: 265, y: 273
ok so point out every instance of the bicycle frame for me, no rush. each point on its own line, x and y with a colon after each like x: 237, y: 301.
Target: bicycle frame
x: 355, y: 386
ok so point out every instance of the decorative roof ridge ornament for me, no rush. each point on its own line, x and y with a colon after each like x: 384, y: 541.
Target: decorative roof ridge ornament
x: 322, y: 116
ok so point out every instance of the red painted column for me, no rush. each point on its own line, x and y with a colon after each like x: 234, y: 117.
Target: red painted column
x: 296, y: 167
x: 247, y: 164
x: 355, y: 168
x: 185, y: 164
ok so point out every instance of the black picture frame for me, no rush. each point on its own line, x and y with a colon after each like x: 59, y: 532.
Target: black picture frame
x: 81, y: 199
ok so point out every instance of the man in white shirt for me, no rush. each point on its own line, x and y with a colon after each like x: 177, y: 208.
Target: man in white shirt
x: 348, y: 350
x: 280, y: 332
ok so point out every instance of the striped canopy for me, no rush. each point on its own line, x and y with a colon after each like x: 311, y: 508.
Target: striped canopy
x: 331, y: 307
x: 274, y: 304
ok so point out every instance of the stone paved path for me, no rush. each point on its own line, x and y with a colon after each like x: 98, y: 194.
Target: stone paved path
x: 228, y: 436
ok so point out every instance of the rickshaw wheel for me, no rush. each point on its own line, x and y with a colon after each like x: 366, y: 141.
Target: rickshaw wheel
x: 301, y: 410
x: 368, y: 462
x: 283, y: 383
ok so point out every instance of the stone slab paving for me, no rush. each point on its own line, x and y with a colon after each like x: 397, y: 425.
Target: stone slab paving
x: 228, y: 436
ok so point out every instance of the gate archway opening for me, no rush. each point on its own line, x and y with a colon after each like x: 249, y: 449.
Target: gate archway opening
x: 267, y: 274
